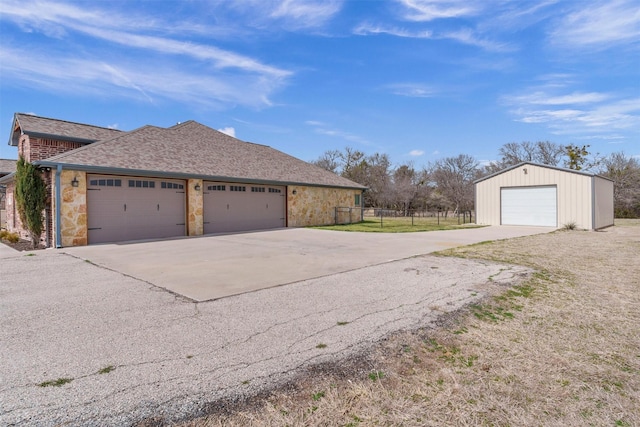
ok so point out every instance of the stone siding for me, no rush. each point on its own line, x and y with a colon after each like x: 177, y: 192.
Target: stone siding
x: 317, y: 205
x: 195, y: 201
x: 73, y: 212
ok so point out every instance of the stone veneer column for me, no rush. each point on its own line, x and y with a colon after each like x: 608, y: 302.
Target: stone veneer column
x: 195, y: 224
x: 73, y: 212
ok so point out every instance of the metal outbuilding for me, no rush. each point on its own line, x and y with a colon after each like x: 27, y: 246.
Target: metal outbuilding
x: 542, y: 195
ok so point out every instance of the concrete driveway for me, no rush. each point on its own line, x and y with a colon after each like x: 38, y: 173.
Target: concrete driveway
x: 212, y: 267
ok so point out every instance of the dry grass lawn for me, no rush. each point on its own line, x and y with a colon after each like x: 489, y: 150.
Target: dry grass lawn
x: 561, y: 349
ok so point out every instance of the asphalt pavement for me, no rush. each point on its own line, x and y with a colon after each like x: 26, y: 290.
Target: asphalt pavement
x: 127, y: 349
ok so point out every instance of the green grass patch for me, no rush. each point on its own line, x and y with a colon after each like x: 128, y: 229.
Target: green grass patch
x: 376, y: 375
x: 342, y: 323
x: 107, y: 369
x: 399, y: 225
x: 56, y: 383
x: 317, y: 396
x: 321, y: 345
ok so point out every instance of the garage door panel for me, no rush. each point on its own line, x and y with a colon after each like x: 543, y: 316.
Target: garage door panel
x: 139, y: 208
x: 242, y: 207
x: 535, y: 206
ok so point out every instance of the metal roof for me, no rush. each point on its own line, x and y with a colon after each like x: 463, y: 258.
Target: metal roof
x: 539, y: 165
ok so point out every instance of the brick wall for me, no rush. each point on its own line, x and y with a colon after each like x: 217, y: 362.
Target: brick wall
x: 33, y: 148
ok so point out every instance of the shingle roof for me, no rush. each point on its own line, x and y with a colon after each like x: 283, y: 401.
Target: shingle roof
x: 196, y: 150
x: 58, y: 129
x: 7, y: 166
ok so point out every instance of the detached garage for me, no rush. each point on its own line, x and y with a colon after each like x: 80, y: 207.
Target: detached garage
x: 546, y: 196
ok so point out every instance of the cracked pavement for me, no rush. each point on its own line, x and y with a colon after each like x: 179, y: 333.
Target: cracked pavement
x: 71, y: 319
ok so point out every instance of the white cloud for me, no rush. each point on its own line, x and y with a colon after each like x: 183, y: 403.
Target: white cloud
x: 365, y: 29
x: 79, y: 76
x: 599, y: 24
x: 542, y: 98
x: 428, y: 10
x: 416, y: 153
x: 284, y: 14
x: 464, y: 35
x: 191, y: 72
x: 581, y: 114
x: 113, y: 126
x: 323, y: 129
x: 413, y: 90
x: 229, y: 131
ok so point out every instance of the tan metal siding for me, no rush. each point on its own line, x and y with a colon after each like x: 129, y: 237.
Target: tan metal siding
x: 603, y: 203
x: 574, y: 194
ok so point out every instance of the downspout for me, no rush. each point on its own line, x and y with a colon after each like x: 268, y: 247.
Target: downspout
x: 58, y: 201
x: 593, y: 203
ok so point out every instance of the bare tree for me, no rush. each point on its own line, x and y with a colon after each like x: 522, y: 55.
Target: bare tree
x: 625, y: 173
x: 329, y: 160
x: 408, y: 188
x: 454, y: 178
x: 549, y: 153
x: 513, y: 153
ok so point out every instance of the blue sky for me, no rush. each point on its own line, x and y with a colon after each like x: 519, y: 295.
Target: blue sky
x: 416, y: 79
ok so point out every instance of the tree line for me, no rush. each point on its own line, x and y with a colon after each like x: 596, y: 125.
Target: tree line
x: 447, y: 184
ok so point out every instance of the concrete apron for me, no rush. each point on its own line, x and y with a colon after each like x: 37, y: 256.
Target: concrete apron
x: 216, y: 266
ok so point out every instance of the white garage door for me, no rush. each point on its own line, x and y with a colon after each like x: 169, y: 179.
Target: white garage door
x: 529, y: 206
x: 242, y: 207
x: 121, y: 208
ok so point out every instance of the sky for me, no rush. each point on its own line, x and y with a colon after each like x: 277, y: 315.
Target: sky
x: 418, y: 80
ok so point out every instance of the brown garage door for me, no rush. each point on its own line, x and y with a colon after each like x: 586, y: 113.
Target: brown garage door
x: 242, y: 207
x: 121, y: 208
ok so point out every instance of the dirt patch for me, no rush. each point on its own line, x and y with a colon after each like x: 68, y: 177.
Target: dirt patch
x: 21, y: 245
x: 563, y: 348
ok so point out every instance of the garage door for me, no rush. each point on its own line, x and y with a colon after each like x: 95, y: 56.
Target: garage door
x: 121, y: 208
x: 242, y: 207
x: 529, y: 206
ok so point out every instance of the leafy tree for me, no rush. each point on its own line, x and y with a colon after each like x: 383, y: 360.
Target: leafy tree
x: 30, y: 193
x: 577, y: 156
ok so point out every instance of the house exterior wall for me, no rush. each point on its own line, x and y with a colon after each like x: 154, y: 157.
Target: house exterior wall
x: 34, y: 148
x: 316, y: 205
x: 73, y: 209
x: 574, y: 194
x: 195, y: 203
x: 603, y: 202
x: 13, y: 223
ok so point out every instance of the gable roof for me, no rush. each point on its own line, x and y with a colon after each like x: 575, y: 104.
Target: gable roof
x: 542, y: 166
x: 57, y: 129
x: 7, y: 166
x: 193, y: 150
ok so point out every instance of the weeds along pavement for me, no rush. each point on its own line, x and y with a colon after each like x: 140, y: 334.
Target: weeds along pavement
x: 562, y: 348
